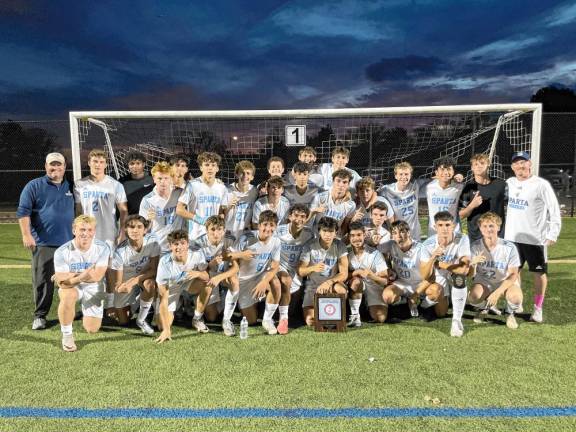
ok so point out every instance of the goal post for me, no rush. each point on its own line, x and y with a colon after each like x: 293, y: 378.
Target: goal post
x: 377, y: 137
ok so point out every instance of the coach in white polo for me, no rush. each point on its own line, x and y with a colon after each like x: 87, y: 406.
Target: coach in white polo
x: 532, y: 222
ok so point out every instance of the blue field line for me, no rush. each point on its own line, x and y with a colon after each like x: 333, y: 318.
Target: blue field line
x: 290, y: 413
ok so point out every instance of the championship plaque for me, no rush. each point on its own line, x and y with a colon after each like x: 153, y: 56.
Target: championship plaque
x: 330, y: 312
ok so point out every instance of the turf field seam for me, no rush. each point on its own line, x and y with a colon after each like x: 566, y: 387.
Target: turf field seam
x: 296, y: 413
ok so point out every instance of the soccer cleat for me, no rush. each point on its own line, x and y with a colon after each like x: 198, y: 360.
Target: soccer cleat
x: 283, y: 327
x: 269, y: 326
x: 413, y: 309
x: 228, y: 328
x: 38, y: 324
x: 537, y: 315
x: 479, y: 317
x: 199, y: 325
x: 457, y: 329
x: 511, y: 322
x: 68, y: 343
x: 145, y: 327
x: 354, y: 321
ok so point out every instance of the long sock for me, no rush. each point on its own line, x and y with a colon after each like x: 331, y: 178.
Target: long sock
x: 355, y: 306
x: 230, y: 304
x: 283, y: 310
x: 269, y: 310
x: 458, y: 302
x: 538, y: 300
x: 479, y: 305
x: 198, y: 315
x: 109, y: 302
x: 511, y: 307
x: 427, y: 302
x: 144, y: 309
x: 66, y: 329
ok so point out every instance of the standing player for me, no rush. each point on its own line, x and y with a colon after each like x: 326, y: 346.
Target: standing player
x: 204, y: 196
x: 307, y: 155
x: 368, y: 273
x: 137, y: 183
x: 293, y: 236
x: 482, y: 194
x: 533, y: 223
x: 181, y: 173
x: 273, y: 200
x: 366, y: 197
x: 134, y: 272
x: 258, y: 254
x: 496, y: 267
x: 159, y: 206
x: 301, y: 191
x: 445, y: 257
x: 80, y: 266
x: 241, y: 197
x: 324, y: 261
x: 442, y: 193
x: 340, y: 158
x: 404, y: 274
x: 176, y: 272
x: 403, y: 195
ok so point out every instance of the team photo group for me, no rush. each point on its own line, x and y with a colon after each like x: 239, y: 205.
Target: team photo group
x: 150, y: 248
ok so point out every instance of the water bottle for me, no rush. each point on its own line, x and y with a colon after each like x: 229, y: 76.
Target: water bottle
x: 244, y: 328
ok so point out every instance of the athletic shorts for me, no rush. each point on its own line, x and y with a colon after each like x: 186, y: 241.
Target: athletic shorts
x: 245, y: 299
x: 373, y: 294
x: 535, y: 255
x: 92, y: 301
x: 296, y: 280
x: 491, y: 287
x: 126, y: 299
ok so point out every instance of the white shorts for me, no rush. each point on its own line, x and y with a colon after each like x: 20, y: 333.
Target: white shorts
x: 92, y: 301
x: 245, y: 299
x: 174, y: 294
x: 296, y: 280
x: 407, y: 288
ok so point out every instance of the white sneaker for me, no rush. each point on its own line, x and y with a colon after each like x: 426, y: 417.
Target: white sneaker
x: 145, y: 327
x: 228, y: 327
x: 68, y: 343
x: 537, y: 315
x: 457, y: 329
x: 38, y: 324
x: 269, y: 326
x: 479, y: 317
x: 413, y: 309
x: 200, y: 325
x: 511, y: 322
x: 354, y: 321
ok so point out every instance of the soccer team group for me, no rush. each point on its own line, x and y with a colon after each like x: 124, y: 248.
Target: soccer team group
x: 167, y: 240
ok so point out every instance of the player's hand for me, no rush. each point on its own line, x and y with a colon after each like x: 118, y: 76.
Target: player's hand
x: 358, y: 215
x: 392, y: 275
x: 214, y: 281
x: 478, y: 259
x: 438, y: 252
x: 29, y: 242
x: 233, y: 201
x: 319, y: 267
x: 247, y: 254
x: 151, y: 215
x: 166, y: 335
x: 376, y: 239
x: 414, y: 298
x: 123, y: 288
x: 458, y: 178
x: 363, y: 273
x: 476, y: 201
x: 493, y: 298
x: 549, y: 243
x: 215, y: 262
x: 319, y: 209
x: 259, y: 290
x: 324, y: 288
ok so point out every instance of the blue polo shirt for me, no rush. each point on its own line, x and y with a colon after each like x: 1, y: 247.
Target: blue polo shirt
x: 50, y: 207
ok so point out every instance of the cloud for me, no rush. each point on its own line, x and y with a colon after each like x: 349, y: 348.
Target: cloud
x: 562, y: 16
x: 501, y: 50
x: 403, y: 68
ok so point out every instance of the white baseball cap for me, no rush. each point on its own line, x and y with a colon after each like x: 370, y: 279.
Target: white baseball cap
x: 55, y: 157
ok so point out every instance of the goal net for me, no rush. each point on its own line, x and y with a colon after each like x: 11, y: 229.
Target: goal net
x: 377, y: 138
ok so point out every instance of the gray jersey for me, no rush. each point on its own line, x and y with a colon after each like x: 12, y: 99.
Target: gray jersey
x: 133, y: 262
x: 313, y: 253
x: 264, y: 254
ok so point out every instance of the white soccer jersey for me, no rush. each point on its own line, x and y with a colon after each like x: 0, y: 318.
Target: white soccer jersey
x: 494, y: 270
x: 203, y: 200
x: 460, y: 247
x: 404, y: 204
x: 264, y: 254
x: 327, y: 169
x: 370, y: 259
x: 533, y: 213
x: 313, y: 253
x: 211, y: 251
x: 166, y: 220
x: 294, y: 197
x: 291, y: 248
x: 440, y: 199
x: 366, y: 218
x: 281, y: 209
x: 69, y: 259
x: 99, y: 199
x: 174, y: 274
x: 134, y: 263
x: 405, y: 264
x: 239, y: 217
x: 338, y: 211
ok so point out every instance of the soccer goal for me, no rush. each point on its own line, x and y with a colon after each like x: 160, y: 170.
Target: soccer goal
x: 376, y: 137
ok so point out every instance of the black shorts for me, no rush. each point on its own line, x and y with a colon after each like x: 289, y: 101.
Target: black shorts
x: 535, y: 255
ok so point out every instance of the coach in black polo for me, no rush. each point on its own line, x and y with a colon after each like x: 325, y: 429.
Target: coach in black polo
x: 45, y: 214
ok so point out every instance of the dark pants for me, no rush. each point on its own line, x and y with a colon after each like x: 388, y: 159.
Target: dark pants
x: 42, y: 286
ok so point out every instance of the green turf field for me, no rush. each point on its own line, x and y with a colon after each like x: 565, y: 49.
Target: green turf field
x: 416, y: 364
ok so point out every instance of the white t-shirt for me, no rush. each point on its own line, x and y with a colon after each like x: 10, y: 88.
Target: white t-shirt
x: 134, y: 263
x: 99, y: 199
x: 291, y: 193
x: 239, y: 217
x: 210, y: 251
x: 494, y: 270
x: 281, y: 209
x: 264, y: 254
x: 313, y: 253
x: 405, y: 264
x: 370, y: 259
x: 203, y: 200
x: 338, y: 211
x: 166, y: 219
x: 69, y: 259
x: 533, y: 213
x: 460, y: 247
x: 440, y: 199
x: 404, y: 204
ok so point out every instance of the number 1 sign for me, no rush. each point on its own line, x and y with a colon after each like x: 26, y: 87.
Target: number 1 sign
x: 296, y: 135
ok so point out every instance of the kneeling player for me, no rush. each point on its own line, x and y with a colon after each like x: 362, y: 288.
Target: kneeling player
x: 496, y: 271
x: 80, y: 266
x: 258, y: 255
x: 176, y: 272
x: 134, y: 272
x: 445, y: 257
x: 404, y: 254
x: 367, y: 273
x: 324, y: 261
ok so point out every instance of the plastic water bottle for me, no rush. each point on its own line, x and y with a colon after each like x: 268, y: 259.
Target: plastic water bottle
x: 244, y: 328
